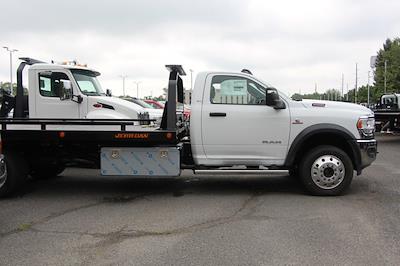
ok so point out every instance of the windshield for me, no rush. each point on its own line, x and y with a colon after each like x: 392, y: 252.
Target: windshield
x: 389, y: 99
x: 87, y: 82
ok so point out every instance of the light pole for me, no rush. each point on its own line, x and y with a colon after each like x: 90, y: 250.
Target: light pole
x: 356, y: 87
x: 342, y: 86
x: 137, y: 88
x: 123, y: 83
x: 385, y: 75
x: 368, y: 88
x: 11, y: 51
x: 191, y: 79
x: 191, y: 85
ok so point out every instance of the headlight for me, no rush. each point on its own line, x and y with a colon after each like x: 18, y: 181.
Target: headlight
x: 366, y: 126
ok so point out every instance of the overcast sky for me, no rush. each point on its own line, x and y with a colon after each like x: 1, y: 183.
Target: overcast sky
x: 290, y: 44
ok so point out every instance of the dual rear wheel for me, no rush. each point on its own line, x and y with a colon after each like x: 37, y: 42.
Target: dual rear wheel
x: 14, y: 171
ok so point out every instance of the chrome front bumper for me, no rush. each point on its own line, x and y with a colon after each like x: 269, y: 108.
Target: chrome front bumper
x: 368, y: 151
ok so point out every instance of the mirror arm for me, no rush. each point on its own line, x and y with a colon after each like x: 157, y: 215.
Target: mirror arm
x: 79, y: 98
x: 280, y: 105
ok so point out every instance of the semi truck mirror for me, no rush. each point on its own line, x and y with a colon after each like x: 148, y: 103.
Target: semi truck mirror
x: 108, y: 92
x: 65, y: 90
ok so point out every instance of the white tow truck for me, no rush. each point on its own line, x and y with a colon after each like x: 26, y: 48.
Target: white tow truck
x: 88, y: 100
x: 237, y: 123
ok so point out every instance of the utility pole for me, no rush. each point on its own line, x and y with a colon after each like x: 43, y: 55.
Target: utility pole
x: 191, y: 80
x: 342, y: 86
x: 191, y: 86
x: 137, y: 88
x: 347, y: 89
x: 368, y: 89
x: 385, y: 79
x: 123, y: 83
x: 11, y: 51
x: 355, y: 90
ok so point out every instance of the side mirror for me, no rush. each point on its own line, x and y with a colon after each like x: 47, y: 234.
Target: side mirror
x: 273, y: 100
x: 108, y: 93
x: 65, y: 90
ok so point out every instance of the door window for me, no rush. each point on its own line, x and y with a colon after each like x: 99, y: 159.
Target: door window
x: 50, y: 83
x: 236, y: 90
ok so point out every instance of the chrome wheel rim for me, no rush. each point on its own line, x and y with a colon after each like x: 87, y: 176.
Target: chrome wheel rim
x: 3, y: 173
x: 328, y: 172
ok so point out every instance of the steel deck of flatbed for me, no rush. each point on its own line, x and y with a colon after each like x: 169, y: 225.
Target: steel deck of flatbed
x: 100, y: 131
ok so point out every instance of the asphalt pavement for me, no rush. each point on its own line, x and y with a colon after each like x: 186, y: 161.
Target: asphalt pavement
x: 81, y: 218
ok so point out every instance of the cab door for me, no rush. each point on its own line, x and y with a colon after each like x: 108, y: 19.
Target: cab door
x: 48, y: 103
x: 237, y: 125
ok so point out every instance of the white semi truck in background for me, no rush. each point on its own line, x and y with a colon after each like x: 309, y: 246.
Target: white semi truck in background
x: 85, y: 97
x: 238, y: 123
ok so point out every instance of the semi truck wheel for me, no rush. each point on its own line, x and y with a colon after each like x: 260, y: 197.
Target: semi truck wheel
x: 46, y: 172
x: 13, y: 174
x: 326, y: 171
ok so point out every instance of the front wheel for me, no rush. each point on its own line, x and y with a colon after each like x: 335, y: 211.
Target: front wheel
x: 326, y: 171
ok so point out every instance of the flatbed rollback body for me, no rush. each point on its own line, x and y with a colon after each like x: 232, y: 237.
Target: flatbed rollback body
x: 45, y: 147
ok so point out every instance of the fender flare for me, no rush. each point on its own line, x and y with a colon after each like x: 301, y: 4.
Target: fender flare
x: 313, y: 130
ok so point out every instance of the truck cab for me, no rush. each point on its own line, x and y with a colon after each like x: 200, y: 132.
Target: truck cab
x: 389, y: 102
x: 239, y: 120
x: 68, y: 92
x: 387, y: 113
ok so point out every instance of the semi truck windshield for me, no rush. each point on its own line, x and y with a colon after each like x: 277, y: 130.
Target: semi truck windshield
x: 87, y: 82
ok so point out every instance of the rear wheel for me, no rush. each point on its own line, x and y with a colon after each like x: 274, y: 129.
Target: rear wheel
x: 13, y: 173
x: 326, y: 171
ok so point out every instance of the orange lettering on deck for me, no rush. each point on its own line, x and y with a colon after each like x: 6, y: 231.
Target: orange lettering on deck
x: 131, y: 136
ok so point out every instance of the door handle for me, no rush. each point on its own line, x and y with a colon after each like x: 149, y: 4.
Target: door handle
x: 218, y: 114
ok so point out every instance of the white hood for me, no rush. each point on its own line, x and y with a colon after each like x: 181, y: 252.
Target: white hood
x: 319, y: 104
x: 123, y: 107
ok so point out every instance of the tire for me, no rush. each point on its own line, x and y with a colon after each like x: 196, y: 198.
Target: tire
x: 15, y: 174
x: 326, y: 171
x: 43, y: 172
